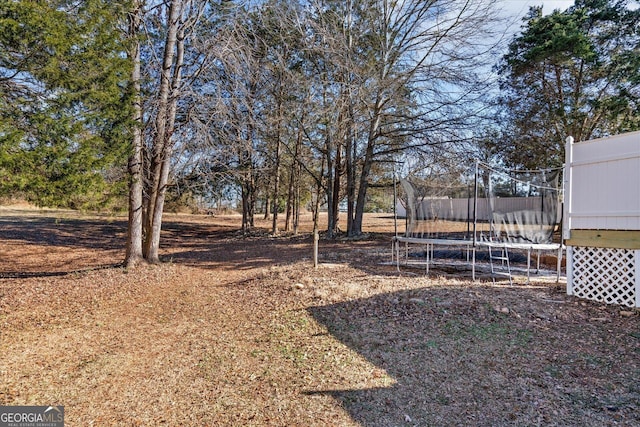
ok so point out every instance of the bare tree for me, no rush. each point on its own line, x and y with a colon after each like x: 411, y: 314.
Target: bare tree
x: 328, y: 92
x: 406, y: 71
x: 149, y: 164
x: 170, y: 75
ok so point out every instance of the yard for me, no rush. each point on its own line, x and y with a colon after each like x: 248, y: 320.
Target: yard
x: 236, y: 330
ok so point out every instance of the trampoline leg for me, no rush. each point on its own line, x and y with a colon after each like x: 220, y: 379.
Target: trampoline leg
x: 426, y: 258
x: 528, y: 266
x: 393, y: 250
x: 473, y: 264
x: 559, y: 264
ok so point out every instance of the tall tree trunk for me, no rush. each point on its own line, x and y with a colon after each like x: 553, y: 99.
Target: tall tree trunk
x: 134, y: 253
x: 253, y: 198
x: 315, y: 208
x: 156, y: 223
x: 276, y: 166
x: 350, y: 145
x: 168, y: 148
x: 293, y: 183
x: 366, y: 167
x: 247, y: 181
x: 296, y: 200
x: 334, y: 224
x: 329, y: 187
x: 350, y: 152
x: 276, y: 187
x: 248, y: 198
x: 267, y: 205
x: 246, y: 206
x: 290, y: 196
x: 165, y: 120
x: 296, y: 205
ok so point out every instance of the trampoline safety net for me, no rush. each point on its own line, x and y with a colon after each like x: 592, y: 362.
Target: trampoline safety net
x: 483, y: 203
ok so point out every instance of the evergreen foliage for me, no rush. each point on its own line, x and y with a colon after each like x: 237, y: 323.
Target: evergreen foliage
x: 63, y: 108
x: 572, y: 73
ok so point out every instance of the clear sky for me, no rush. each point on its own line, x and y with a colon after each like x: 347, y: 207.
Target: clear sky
x: 519, y: 8
x: 514, y: 10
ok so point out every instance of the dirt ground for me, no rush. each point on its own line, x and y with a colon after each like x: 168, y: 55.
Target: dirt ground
x: 236, y: 330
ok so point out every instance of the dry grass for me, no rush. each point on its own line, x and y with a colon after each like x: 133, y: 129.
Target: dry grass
x: 235, y: 330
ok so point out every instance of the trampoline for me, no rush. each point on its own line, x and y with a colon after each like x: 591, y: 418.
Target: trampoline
x: 484, y: 208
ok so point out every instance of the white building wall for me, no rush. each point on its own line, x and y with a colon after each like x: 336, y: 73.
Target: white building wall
x: 605, y: 183
x: 602, y: 192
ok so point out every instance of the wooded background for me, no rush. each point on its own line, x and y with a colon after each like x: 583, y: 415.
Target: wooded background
x: 276, y: 106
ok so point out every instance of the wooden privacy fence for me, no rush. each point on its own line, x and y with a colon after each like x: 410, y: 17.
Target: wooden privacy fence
x: 601, y: 222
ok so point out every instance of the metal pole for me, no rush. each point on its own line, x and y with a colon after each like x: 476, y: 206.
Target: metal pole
x: 395, y: 201
x: 475, y: 221
x: 316, y: 237
x: 468, y: 211
x: 567, y: 184
x: 475, y: 205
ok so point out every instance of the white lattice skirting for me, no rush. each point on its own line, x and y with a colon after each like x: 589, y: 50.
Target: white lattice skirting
x: 605, y: 275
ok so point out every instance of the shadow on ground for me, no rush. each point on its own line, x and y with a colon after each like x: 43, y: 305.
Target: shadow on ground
x: 457, y: 360
x: 65, y: 232
x: 200, y: 244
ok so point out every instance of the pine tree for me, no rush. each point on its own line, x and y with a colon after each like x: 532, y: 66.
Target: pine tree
x: 572, y: 73
x: 63, y: 85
